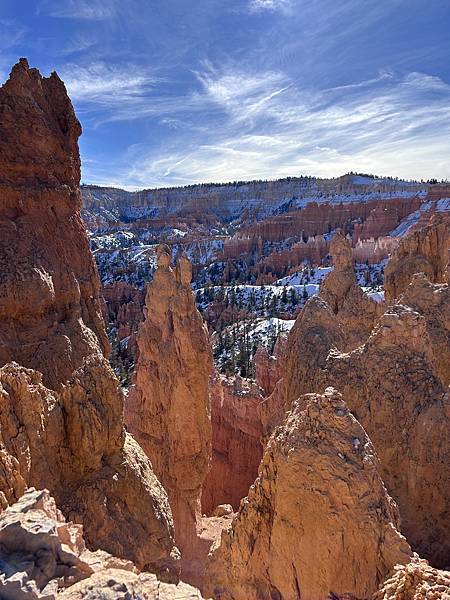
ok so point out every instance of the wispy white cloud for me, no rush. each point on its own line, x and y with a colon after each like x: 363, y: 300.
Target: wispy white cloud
x: 271, y: 5
x: 11, y: 33
x: 91, y: 10
x: 106, y: 86
x: 240, y: 94
x: 272, y: 128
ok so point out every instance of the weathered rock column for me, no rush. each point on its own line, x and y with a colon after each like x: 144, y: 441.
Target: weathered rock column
x: 168, y: 410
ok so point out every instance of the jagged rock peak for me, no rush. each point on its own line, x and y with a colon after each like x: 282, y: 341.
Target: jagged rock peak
x: 50, y: 302
x: 61, y: 423
x: 396, y: 385
x: 318, y: 522
x: 163, y: 256
x: 38, y: 130
x: 168, y: 409
x: 355, y: 311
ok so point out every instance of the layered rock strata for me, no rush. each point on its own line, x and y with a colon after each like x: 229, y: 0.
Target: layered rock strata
x: 236, y: 442
x: 318, y: 522
x: 168, y: 410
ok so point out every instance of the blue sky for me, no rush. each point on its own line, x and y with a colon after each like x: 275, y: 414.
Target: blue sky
x: 171, y: 92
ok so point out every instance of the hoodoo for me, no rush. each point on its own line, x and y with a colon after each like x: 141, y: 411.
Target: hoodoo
x: 355, y: 311
x: 425, y: 250
x: 396, y: 385
x: 168, y: 411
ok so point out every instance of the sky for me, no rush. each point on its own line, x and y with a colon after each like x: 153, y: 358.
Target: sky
x: 174, y: 92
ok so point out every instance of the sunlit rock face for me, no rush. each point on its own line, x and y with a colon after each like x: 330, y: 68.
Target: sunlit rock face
x: 416, y: 581
x: 355, y: 311
x: 393, y: 384
x: 44, y: 556
x: 50, y: 306
x: 168, y: 410
x: 61, y: 423
x: 424, y: 250
x: 318, y: 521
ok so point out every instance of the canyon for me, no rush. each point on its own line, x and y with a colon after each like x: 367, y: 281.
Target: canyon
x: 225, y: 391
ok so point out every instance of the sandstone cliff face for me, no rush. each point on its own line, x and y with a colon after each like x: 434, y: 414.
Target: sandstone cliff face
x: 61, y: 423
x: 355, y: 311
x: 394, y: 389
x: 422, y: 251
x: 247, y: 200
x: 43, y: 556
x: 318, y: 521
x: 416, y: 581
x: 321, y: 218
x: 315, y: 332
x: 168, y: 411
x: 50, y: 310
x: 382, y: 219
x: 236, y: 442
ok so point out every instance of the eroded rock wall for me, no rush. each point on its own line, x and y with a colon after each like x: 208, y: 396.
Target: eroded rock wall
x: 392, y: 384
x: 236, y: 442
x: 424, y: 250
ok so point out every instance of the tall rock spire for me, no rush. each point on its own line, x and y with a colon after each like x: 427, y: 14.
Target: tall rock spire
x: 168, y: 412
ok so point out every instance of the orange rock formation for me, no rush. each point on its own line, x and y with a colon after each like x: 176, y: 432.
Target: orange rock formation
x: 416, y: 581
x: 268, y: 368
x: 392, y: 384
x: 236, y: 438
x: 43, y: 556
x: 425, y: 250
x: 50, y: 309
x: 168, y: 410
x: 355, y: 311
x: 61, y: 424
x: 318, y: 522
x: 317, y: 219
